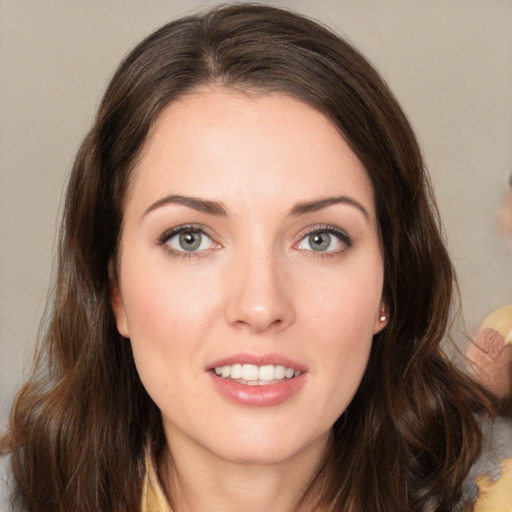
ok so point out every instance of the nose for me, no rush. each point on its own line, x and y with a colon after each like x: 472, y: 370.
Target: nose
x: 259, y: 293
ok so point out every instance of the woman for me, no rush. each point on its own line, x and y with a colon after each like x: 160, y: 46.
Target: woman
x: 251, y: 294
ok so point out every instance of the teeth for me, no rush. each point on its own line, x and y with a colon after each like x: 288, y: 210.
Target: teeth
x: 256, y: 375
x: 236, y: 371
x: 279, y: 371
x: 266, y: 372
x: 249, y: 372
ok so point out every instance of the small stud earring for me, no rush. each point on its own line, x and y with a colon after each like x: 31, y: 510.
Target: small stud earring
x: 383, y: 318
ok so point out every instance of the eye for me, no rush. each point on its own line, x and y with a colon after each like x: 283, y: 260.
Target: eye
x: 325, y: 240
x: 187, y: 239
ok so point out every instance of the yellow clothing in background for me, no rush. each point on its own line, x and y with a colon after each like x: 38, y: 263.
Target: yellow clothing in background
x: 495, y: 496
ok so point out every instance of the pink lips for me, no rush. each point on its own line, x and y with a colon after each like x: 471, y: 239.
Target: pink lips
x: 258, y: 396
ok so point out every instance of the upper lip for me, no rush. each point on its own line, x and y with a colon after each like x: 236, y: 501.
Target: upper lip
x: 258, y: 360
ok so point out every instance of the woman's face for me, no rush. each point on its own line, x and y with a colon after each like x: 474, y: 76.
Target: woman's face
x: 250, y: 275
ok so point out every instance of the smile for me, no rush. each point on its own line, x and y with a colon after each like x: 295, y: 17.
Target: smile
x: 254, y: 375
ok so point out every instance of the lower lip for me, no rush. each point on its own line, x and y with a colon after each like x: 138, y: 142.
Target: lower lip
x: 258, y: 396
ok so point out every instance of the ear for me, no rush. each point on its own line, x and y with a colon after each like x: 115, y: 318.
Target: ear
x: 382, y: 318
x: 116, y: 302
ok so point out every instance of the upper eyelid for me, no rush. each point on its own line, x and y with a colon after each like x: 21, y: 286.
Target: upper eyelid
x: 320, y: 228
x: 168, y: 233
x: 344, y: 239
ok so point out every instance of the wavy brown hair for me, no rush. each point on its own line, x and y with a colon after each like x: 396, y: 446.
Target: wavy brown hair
x: 80, y: 425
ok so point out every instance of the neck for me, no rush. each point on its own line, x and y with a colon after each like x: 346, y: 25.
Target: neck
x: 195, y: 480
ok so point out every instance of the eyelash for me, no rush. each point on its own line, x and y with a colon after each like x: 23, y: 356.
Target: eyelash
x: 340, y: 234
x: 184, y: 255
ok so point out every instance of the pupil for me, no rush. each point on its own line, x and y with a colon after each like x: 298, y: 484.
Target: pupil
x: 319, y: 241
x: 190, y: 241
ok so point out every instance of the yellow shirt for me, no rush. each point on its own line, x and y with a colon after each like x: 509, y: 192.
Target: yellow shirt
x: 494, y: 496
x: 153, y: 497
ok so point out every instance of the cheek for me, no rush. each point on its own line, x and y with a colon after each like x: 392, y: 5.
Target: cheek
x: 163, y: 340
x: 342, y: 321
x: 347, y: 304
x: 161, y: 298
x: 346, y: 323
x: 167, y: 316
x: 152, y: 323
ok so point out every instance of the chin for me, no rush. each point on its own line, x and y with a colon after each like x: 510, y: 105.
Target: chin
x: 269, y: 448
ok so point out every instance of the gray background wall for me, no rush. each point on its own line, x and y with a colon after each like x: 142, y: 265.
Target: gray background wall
x: 448, y: 61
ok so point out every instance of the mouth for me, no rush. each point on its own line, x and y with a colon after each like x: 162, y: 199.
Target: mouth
x: 254, y: 375
x: 257, y: 380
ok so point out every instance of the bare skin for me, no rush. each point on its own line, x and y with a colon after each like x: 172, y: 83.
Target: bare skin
x: 250, y: 239
x: 197, y: 484
x: 491, y: 362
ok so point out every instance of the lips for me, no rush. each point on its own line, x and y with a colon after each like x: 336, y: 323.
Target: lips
x: 253, y: 380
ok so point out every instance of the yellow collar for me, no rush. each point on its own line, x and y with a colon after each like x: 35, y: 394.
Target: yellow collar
x: 153, y: 497
x: 494, y: 496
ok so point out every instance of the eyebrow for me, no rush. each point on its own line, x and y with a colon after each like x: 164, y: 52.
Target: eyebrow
x: 201, y: 205
x: 217, y: 208
x: 314, y: 206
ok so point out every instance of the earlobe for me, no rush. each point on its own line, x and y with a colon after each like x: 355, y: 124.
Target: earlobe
x: 116, y: 303
x: 382, y: 319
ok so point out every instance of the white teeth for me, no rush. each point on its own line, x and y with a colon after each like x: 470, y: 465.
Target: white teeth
x: 266, y: 372
x: 279, y: 371
x: 249, y: 372
x: 236, y: 371
x: 254, y: 375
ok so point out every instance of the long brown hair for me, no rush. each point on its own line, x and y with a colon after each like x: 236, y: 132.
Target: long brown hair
x: 80, y: 426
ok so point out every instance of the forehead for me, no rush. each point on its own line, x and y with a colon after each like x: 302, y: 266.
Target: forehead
x: 230, y: 146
